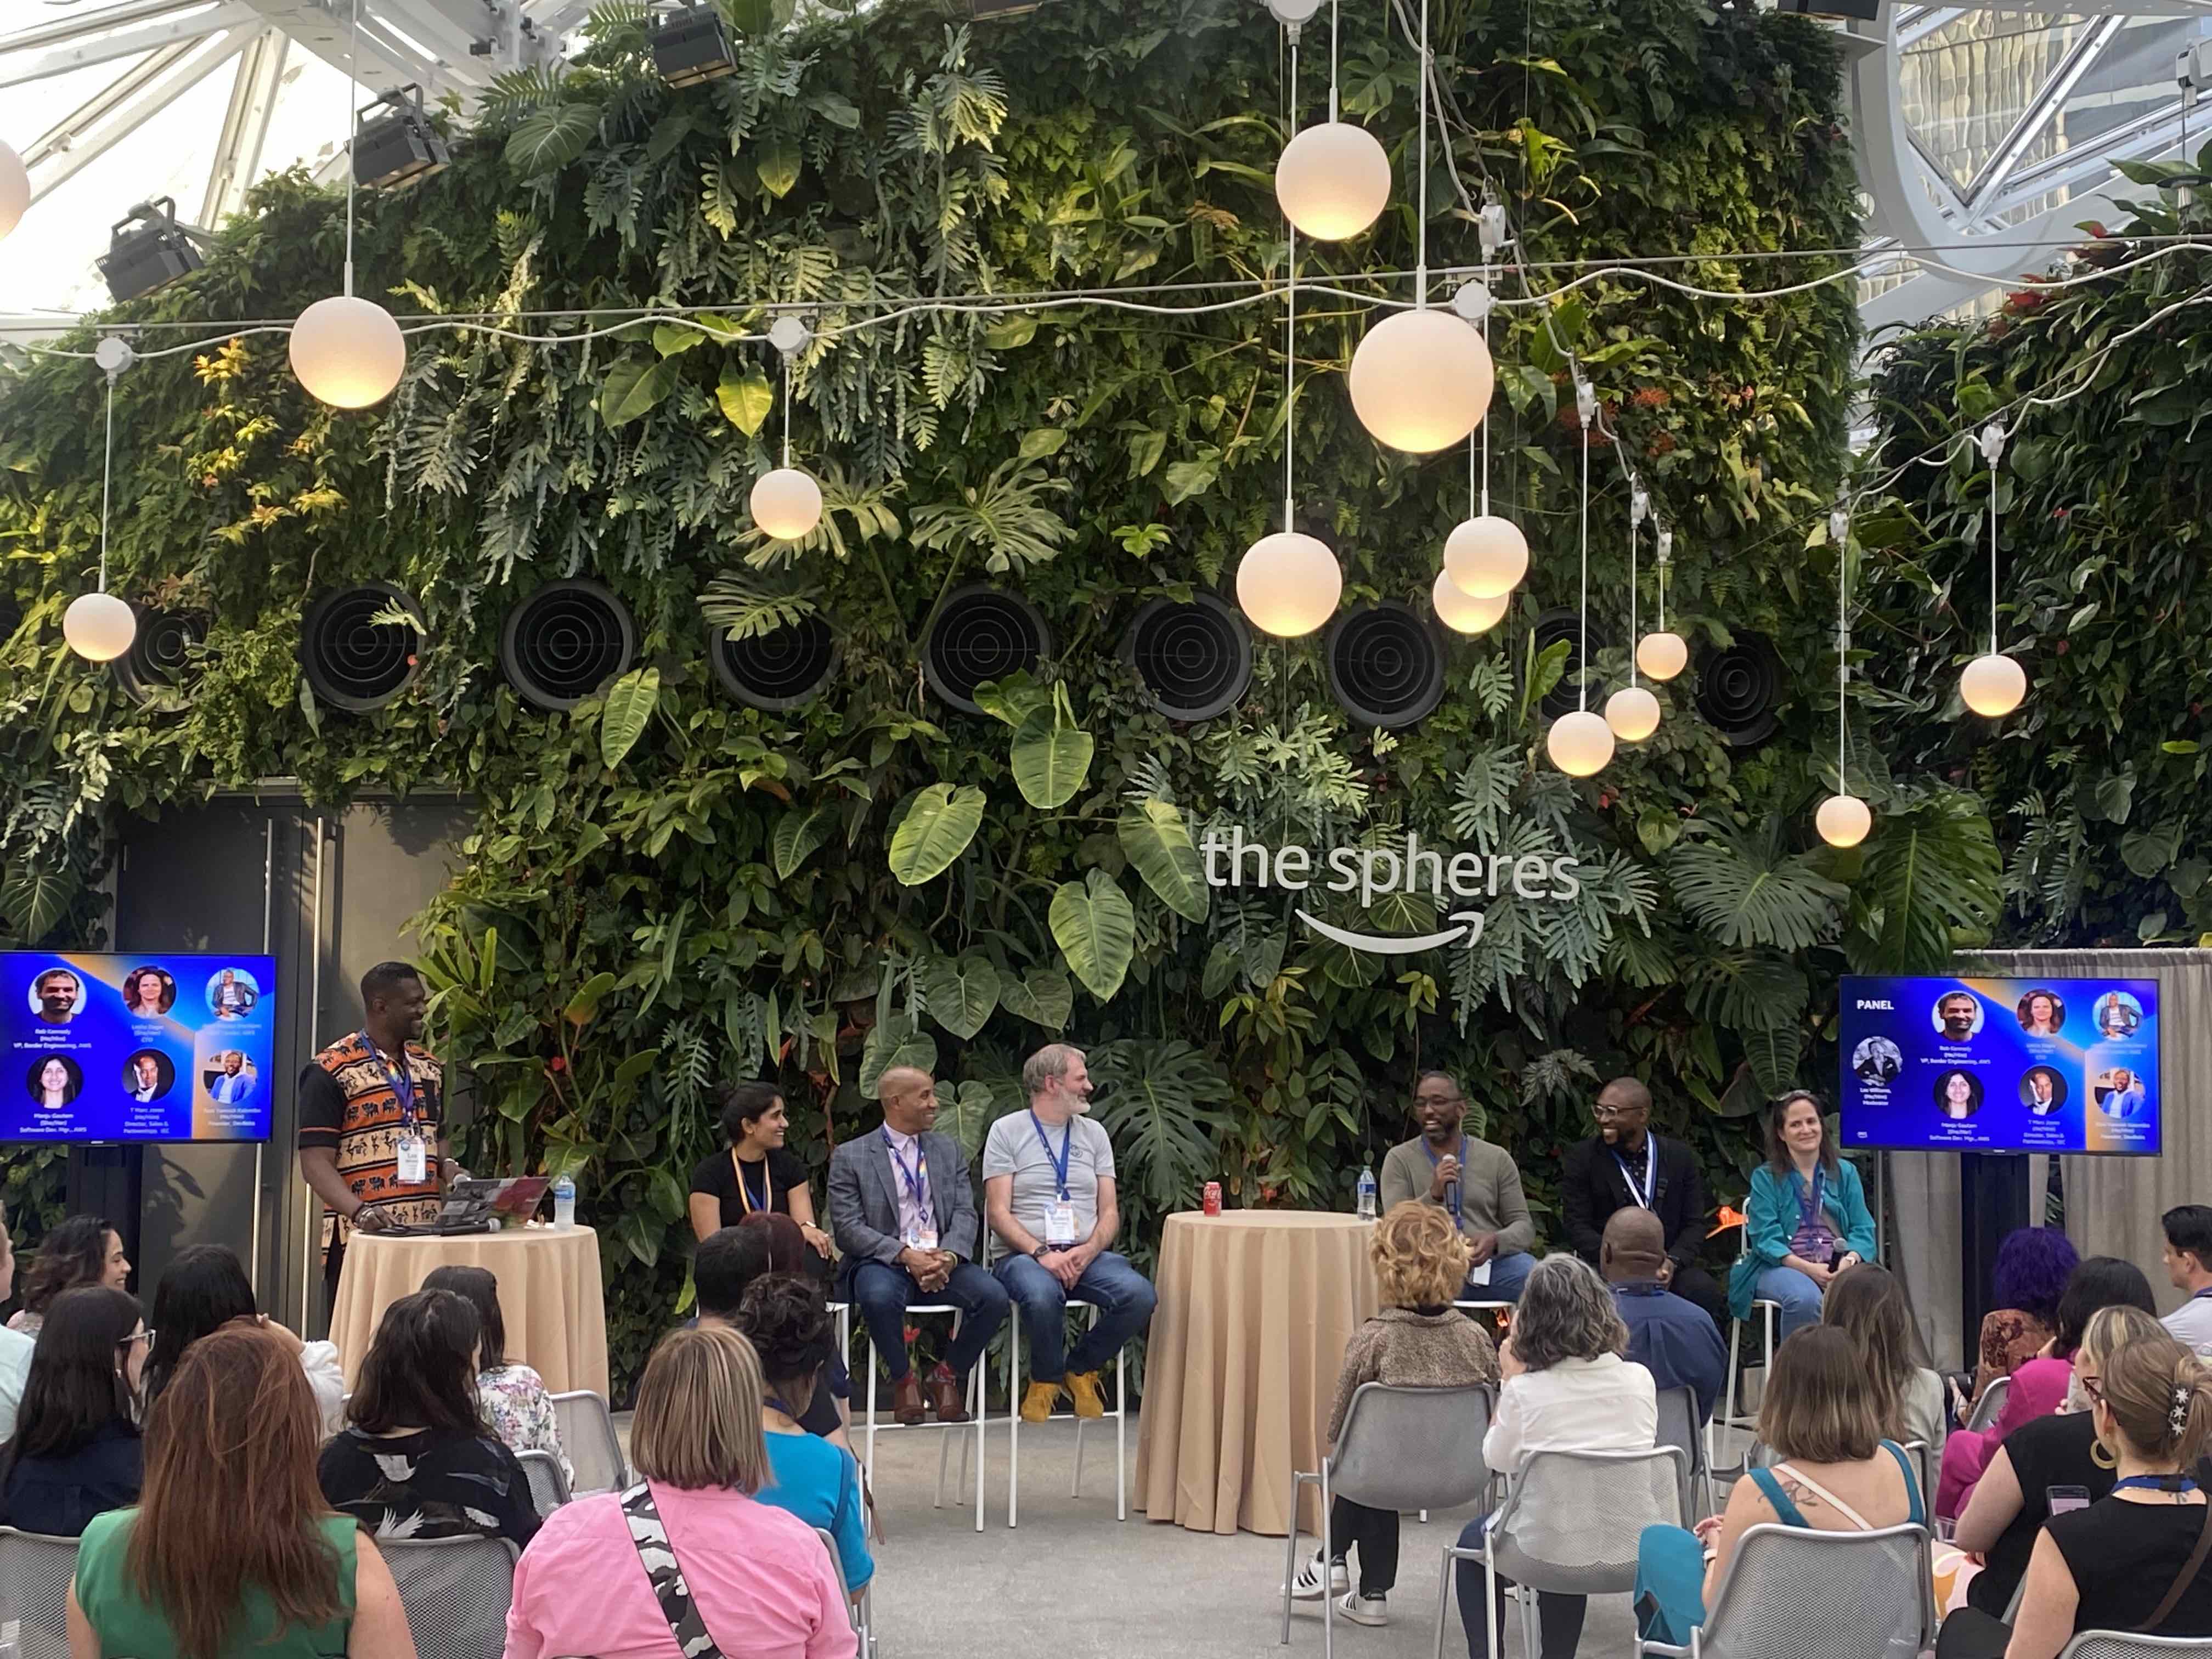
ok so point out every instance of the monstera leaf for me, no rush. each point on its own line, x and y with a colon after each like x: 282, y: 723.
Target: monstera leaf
x: 960, y: 991
x: 1750, y: 889
x: 1096, y: 928
x: 1928, y: 885
x: 1157, y: 1101
x: 937, y: 829
x: 1159, y: 843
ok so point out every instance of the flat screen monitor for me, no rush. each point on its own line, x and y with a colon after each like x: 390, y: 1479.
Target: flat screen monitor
x: 146, y: 1045
x: 1971, y: 1065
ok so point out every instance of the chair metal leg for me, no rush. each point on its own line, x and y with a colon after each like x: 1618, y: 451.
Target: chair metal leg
x: 1443, y: 1595
x: 1291, y: 1549
x: 944, y: 1445
x: 1014, y: 1420
x: 1120, y: 1438
x: 870, y: 1460
x: 1489, y: 1600
x: 1531, y: 1641
x: 977, y: 1404
x: 1327, y: 1570
x: 1075, y: 1487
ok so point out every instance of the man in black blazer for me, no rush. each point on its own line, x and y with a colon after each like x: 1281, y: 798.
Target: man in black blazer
x: 904, y: 1215
x: 1625, y: 1164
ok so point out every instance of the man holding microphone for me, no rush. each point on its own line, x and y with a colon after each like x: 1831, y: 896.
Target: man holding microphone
x: 1474, y: 1181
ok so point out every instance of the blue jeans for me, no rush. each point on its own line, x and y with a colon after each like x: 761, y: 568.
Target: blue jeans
x: 1507, y: 1274
x: 1125, y: 1299
x: 882, y: 1293
x: 1799, y: 1295
x: 1560, y: 1618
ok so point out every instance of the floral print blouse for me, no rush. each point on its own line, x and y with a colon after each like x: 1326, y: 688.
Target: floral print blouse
x: 521, y: 1413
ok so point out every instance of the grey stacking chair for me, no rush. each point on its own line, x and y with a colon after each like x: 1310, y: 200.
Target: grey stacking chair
x: 36, y: 1572
x: 2126, y: 1644
x: 1679, y: 1427
x: 1991, y: 1403
x: 1791, y: 1591
x: 862, y: 1612
x: 587, y: 1435
x: 456, y: 1592
x: 549, y: 1482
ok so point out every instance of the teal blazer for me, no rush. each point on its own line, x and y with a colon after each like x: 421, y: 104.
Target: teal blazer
x: 1771, y: 1222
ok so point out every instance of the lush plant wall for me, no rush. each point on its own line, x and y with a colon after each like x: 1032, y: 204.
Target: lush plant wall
x: 666, y: 890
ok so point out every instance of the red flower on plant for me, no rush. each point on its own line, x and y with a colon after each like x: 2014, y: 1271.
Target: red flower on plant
x: 556, y: 1064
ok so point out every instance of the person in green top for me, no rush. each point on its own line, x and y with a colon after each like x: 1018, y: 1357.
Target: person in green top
x: 232, y: 1552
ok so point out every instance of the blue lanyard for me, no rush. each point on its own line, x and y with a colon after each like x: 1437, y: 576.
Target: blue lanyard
x: 1058, y: 1163
x: 2172, y: 1483
x: 402, y: 1081
x: 1452, y: 1192
x: 915, y: 1180
x: 767, y: 1199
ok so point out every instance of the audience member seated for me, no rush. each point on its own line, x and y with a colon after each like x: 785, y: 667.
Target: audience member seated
x: 784, y: 1318
x: 1835, y: 1472
x: 1566, y: 1389
x: 2046, y: 1383
x: 16, y: 1348
x: 770, y: 1244
x: 755, y: 1175
x: 1418, y: 1341
x: 1668, y: 1336
x: 232, y: 1550
x: 206, y: 1289
x: 1477, y: 1183
x: 1625, y: 1166
x: 758, y: 1579
x: 2034, y: 1264
x: 417, y: 1459
x: 1806, y: 1219
x: 511, y: 1394
x: 76, y: 1451
x: 81, y: 1250
x: 2188, y: 1258
x: 1868, y: 1304
x: 2133, y: 1559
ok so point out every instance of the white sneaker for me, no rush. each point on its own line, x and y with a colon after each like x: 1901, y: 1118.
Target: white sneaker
x: 1308, y: 1585
x: 1364, y: 1609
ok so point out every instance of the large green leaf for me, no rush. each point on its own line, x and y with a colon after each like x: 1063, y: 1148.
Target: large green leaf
x: 798, y: 834
x: 1042, y: 996
x: 745, y: 397
x: 1746, y: 890
x: 634, y: 387
x: 776, y: 162
x: 1096, y: 928
x: 1159, y: 843
x: 894, y: 1041
x: 1928, y: 885
x: 937, y: 829
x: 548, y: 139
x: 1051, y: 754
x: 1158, y: 1100
x: 630, y: 702
x: 1773, y: 1054
x: 967, y: 1113
x: 960, y: 991
x: 34, y: 898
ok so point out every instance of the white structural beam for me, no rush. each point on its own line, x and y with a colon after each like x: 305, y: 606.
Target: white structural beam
x: 38, y: 53
x: 95, y: 126
x: 441, y: 45
x: 245, y: 127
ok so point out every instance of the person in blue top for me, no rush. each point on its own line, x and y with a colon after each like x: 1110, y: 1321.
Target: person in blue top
x: 1806, y: 1219
x: 788, y: 1323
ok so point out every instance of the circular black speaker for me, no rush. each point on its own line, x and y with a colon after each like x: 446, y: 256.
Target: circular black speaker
x: 783, y: 668
x: 1740, y: 690
x: 160, y: 653
x: 1551, y: 628
x: 1195, y: 659
x: 1384, y: 665
x: 352, y: 660
x: 565, y: 641
x: 981, y: 633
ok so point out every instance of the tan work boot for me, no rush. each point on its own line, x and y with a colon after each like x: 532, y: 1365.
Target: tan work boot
x: 1037, y: 1403
x: 1083, y: 1388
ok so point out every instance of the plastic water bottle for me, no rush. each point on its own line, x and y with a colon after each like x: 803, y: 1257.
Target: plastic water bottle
x: 564, y: 1204
x: 1367, y: 1194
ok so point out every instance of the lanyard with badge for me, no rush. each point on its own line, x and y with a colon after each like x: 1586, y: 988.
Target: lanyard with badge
x: 922, y: 1235
x: 412, y: 1153
x: 1059, y: 1216
x: 1452, y: 1192
x: 1650, y: 1172
x: 744, y: 1188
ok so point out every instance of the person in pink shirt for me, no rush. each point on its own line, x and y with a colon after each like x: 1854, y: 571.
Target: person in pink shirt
x: 726, y: 1568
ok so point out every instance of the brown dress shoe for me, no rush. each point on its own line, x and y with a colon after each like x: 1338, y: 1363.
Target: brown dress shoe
x: 945, y: 1396
x: 906, y: 1400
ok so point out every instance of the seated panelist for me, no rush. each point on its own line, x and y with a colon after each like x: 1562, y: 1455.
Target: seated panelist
x: 1474, y: 1180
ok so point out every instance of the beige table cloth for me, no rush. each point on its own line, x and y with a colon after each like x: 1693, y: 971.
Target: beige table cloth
x: 549, y: 1295
x: 1255, y: 1308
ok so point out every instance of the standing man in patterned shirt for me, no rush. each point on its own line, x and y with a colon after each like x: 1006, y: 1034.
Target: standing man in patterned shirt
x: 369, y: 1110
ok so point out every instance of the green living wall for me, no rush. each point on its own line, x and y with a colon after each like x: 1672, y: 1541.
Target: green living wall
x: 664, y: 889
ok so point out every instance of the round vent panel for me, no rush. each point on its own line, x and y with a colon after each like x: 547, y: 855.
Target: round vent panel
x: 1195, y: 659
x: 154, y: 668
x: 1551, y: 628
x: 1740, y: 690
x: 352, y: 660
x: 564, y: 642
x: 981, y: 633
x: 783, y: 668
x: 1384, y: 666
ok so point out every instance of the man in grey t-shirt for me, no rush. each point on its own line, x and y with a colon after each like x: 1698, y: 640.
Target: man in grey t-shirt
x: 1048, y: 1195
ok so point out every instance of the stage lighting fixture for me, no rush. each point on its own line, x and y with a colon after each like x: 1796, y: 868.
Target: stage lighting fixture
x: 148, y: 249
x: 692, y: 46
x: 398, y: 147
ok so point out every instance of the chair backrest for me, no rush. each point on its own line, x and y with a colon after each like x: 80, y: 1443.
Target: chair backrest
x: 1992, y: 1402
x: 587, y: 1435
x: 1412, y: 1449
x: 1572, y: 1520
x: 36, y: 1572
x: 1791, y: 1591
x: 456, y: 1592
x: 549, y: 1482
x: 1926, y: 1467
x: 1679, y: 1427
x: 837, y: 1565
x: 2126, y: 1644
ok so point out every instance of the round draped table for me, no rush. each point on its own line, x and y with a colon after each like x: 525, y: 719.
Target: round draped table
x: 1255, y: 1308
x: 549, y: 1295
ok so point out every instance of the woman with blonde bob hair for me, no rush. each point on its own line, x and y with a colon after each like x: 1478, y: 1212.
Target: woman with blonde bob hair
x: 1418, y: 1341
x: 719, y: 1564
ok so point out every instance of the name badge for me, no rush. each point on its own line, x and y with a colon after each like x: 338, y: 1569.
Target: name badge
x: 921, y: 1238
x: 1060, y: 1223
x: 414, y: 1160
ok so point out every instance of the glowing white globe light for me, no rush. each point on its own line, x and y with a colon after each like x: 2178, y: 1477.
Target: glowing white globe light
x: 1463, y: 612
x: 787, y: 504
x: 14, y: 189
x: 1662, y: 656
x: 1288, y: 583
x: 1843, y: 820
x: 1580, y: 743
x: 1420, y: 381
x: 1632, y: 713
x: 99, y: 627
x: 348, y: 351
x: 1485, y: 557
x: 1334, y: 180
x: 1993, y: 684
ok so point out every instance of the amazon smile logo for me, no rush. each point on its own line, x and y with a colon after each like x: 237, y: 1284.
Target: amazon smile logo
x: 1376, y: 872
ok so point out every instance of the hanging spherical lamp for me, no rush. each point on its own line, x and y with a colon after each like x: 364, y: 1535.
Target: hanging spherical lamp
x: 1288, y: 583
x: 1333, y: 180
x: 99, y: 627
x: 1993, y: 684
x: 787, y: 504
x: 15, y: 190
x: 1662, y: 656
x: 348, y: 351
x: 1463, y: 612
x: 1420, y: 381
x: 1843, y: 820
x: 1580, y: 743
x: 1631, y: 713
x: 1485, y: 557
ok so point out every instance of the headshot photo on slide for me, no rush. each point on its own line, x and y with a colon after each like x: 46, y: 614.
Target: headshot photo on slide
x: 54, y: 1081
x: 56, y: 995
x: 1957, y: 1094
x: 1957, y: 1015
x: 148, y: 993
x: 2041, y: 1013
x: 2042, y: 1090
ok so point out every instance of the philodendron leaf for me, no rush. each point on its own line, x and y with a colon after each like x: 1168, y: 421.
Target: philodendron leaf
x: 776, y: 161
x: 630, y: 703
x: 33, y: 900
x: 893, y: 1041
x: 960, y: 991
x: 1051, y: 754
x: 1159, y: 843
x: 548, y: 139
x: 1096, y: 928
x: 746, y: 399
x: 943, y: 820
x: 1042, y: 996
x: 634, y: 387
x: 799, y: 834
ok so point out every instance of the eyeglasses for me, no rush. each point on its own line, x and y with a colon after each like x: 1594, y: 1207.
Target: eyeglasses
x: 2092, y: 1386
x: 1602, y: 1112
x: 146, y: 1335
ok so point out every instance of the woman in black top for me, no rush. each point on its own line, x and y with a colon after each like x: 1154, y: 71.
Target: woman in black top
x: 755, y: 1175
x: 75, y: 1452
x: 417, y: 1459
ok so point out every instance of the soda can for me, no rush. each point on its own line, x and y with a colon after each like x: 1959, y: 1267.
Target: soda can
x: 1214, y: 1198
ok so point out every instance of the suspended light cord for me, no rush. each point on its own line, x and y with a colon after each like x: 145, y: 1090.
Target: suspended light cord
x: 1839, y: 523
x: 1332, y: 60
x: 1291, y: 319
x: 1482, y: 427
x: 1993, y: 443
x: 1637, y: 502
x: 107, y: 480
x: 353, y: 97
x: 1421, y: 195
x: 1583, y: 664
x: 787, y: 408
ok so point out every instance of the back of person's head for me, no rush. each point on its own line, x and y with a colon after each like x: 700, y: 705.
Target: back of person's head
x: 786, y: 1246
x: 2109, y: 1330
x: 1633, y: 1247
x: 745, y: 1104
x: 2189, y: 1227
x: 698, y: 1424
x: 479, y: 1288
x: 231, y: 1500
x: 1868, y: 1304
x: 74, y: 1253
x: 2101, y: 1281
x: 2033, y: 1265
x: 78, y: 1384
x: 1421, y: 1258
x: 420, y: 1371
x: 2158, y: 1395
x: 203, y: 1290
x: 1819, y: 1405
x: 788, y: 1323
x: 1565, y: 1312
x: 727, y: 1260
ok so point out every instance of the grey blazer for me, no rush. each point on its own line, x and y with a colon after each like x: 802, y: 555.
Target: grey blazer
x: 864, y: 1201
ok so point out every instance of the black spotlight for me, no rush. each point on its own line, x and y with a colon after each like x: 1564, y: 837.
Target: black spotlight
x: 1740, y: 690
x: 1384, y: 665
x: 147, y: 250
x: 1195, y: 659
x: 153, y: 670
x: 692, y: 46
x: 981, y: 633
x: 398, y: 147
x: 565, y: 641
x: 357, y: 652
x: 781, y: 669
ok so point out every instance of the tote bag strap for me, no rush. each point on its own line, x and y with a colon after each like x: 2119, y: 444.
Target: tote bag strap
x: 666, y: 1574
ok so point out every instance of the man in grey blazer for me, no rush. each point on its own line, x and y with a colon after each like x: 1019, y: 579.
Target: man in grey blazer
x: 904, y: 1215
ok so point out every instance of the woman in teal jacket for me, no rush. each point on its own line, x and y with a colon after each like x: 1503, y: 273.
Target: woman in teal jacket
x: 1806, y: 1219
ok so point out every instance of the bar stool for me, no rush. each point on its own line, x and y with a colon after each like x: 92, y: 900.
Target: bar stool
x: 1120, y: 1415
x: 1765, y: 1311
x: 975, y: 1419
